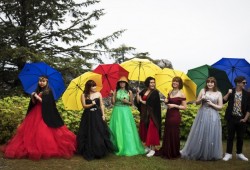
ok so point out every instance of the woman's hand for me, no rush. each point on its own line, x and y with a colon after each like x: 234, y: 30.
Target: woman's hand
x: 125, y: 101
x: 103, y: 117
x: 166, y: 100
x: 111, y: 92
x: 170, y: 106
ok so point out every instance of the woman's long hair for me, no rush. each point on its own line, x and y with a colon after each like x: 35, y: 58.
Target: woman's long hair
x: 213, y: 80
x: 178, y: 79
x: 44, y: 90
x: 88, y: 85
x: 118, y: 86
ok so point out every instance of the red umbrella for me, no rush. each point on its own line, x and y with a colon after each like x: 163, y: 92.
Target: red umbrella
x: 111, y: 73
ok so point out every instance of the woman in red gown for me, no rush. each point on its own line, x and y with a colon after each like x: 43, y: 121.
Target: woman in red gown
x: 42, y: 134
x: 148, y: 102
x: 171, y: 139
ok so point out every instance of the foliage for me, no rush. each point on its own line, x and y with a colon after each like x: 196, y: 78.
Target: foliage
x: 189, y: 115
x: 119, y: 54
x: 55, y: 31
x: 70, y: 117
x: 13, y: 111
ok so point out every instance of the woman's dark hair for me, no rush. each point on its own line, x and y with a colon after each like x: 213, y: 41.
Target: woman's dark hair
x: 147, y: 81
x: 178, y: 79
x: 45, y: 89
x: 88, y: 85
x: 118, y: 85
x: 213, y: 80
x: 239, y: 79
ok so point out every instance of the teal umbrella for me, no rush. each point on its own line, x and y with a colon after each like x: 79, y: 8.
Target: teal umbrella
x: 200, y: 74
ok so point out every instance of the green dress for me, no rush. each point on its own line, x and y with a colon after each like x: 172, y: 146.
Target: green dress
x: 122, y: 125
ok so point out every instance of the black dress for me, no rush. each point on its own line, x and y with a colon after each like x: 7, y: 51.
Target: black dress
x: 93, y: 138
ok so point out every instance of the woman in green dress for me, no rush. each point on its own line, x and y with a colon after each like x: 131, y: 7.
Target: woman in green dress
x: 122, y: 124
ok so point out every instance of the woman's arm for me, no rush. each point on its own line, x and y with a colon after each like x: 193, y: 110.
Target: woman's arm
x: 33, y: 97
x: 102, y: 107
x: 200, y: 97
x: 113, y: 96
x: 138, y: 97
x: 131, y: 97
x: 219, y: 104
x: 37, y: 97
x: 225, y: 98
x: 183, y: 105
x: 84, y: 105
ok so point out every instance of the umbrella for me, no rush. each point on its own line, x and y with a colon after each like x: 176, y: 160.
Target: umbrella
x: 31, y: 72
x: 140, y: 69
x: 111, y: 73
x: 164, y: 78
x: 200, y: 74
x: 234, y: 67
x: 72, y: 96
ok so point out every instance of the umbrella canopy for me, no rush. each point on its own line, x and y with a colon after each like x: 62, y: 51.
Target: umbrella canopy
x: 234, y: 67
x: 31, y: 72
x: 72, y: 96
x: 111, y: 73
x: 200, y: 74
x: 140, y: 69
x: 164, y: 83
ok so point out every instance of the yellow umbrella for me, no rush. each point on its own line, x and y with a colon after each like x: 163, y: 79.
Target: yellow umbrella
x: 164, y: 78
x: 140, y: 69
x: 72, y: 96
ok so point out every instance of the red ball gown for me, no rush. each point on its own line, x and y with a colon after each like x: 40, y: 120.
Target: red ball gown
x: 36, y: 138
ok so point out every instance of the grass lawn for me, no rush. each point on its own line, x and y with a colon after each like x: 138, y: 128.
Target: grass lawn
x: 130, y: 163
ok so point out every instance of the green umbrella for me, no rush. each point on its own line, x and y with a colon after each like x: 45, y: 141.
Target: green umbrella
x: 200, y: 74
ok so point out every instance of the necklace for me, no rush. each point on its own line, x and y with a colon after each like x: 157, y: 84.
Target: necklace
x: 174, y: 92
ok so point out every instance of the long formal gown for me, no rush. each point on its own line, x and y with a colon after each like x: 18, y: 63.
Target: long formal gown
x: 148, y: 131
x: 171, y: 139
x: 35, y: 140
x: 123, y: 127
x: 93, y: 138
x: 205, y: 138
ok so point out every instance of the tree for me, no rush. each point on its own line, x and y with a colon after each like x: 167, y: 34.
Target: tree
x: 119, y: 53
x: 54, y: 31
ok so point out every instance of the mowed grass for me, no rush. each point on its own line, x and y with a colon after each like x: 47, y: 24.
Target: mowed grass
x: 131, y: 163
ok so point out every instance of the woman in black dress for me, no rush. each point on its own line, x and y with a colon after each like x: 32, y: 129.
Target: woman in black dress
x: 93, y: 138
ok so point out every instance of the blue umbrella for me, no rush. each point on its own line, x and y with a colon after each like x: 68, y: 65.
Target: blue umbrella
x: 31, y: 72
x: 234, y: 67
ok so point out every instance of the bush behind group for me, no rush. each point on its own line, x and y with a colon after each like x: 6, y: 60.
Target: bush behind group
x: 13, y: 110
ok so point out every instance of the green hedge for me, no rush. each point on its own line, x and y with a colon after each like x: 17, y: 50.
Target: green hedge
x: 13, y: 111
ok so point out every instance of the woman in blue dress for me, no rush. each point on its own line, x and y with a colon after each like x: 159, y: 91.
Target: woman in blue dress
x: 205, y: 138
x: 122, y: 124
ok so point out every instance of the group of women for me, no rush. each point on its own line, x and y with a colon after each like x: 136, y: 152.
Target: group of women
x: 42, y: 134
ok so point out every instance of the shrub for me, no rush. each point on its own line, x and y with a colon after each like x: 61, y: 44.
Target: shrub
x: 13, y: 110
